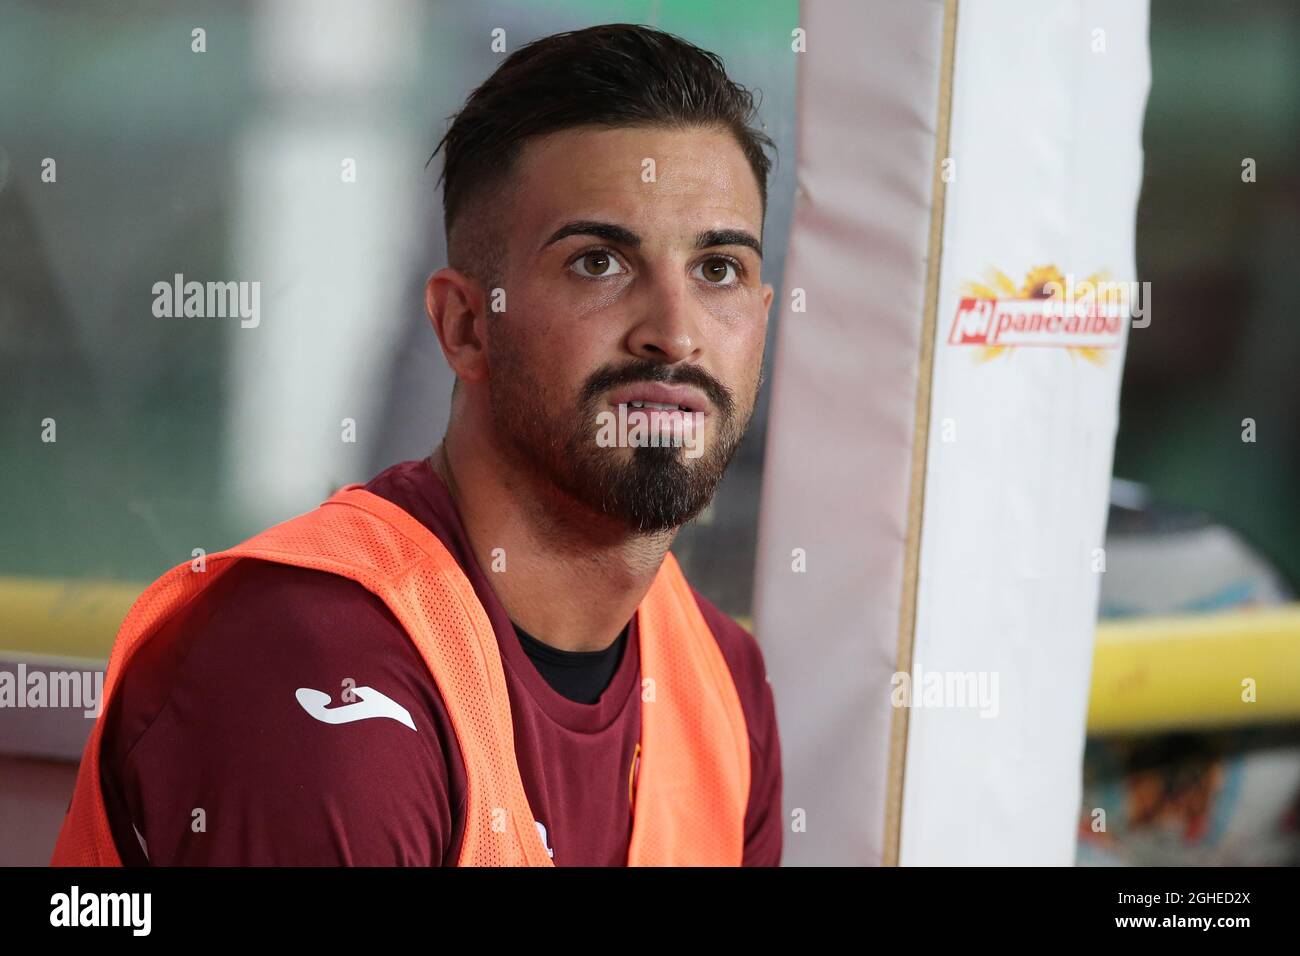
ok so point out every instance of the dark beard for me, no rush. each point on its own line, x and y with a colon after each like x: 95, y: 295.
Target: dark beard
x: 651, y: 490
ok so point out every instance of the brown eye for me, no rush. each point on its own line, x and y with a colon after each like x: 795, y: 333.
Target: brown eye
x: 718, y: 271
x: 596, y: 265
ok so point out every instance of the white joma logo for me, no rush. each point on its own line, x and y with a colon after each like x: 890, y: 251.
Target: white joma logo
x: 371, y: 704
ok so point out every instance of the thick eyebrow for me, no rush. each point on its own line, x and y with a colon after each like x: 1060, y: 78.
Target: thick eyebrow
x: 601, y: 230
x: 728, y: 237
x: 611, y: 232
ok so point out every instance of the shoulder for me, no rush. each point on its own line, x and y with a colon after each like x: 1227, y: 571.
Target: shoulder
x: 260, y: 622
x: 239, y: 653
x: 230, y: 705
x: 739, y: 647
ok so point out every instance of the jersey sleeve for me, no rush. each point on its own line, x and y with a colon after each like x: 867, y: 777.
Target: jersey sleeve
x: 764, y: 823
x: 284, y: 718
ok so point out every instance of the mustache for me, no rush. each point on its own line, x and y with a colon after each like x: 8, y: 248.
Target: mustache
x: 637, y: 372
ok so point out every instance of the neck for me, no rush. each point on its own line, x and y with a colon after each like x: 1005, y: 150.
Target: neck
x: 571, y: 578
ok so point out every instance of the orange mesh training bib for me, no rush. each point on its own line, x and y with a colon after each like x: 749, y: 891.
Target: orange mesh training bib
x: 693, y: 783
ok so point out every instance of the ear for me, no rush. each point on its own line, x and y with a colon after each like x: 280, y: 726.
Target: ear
x: 455, y: 303
x: 768, y: 293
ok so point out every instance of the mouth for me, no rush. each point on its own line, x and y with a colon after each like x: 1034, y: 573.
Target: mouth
x: 656, y: 399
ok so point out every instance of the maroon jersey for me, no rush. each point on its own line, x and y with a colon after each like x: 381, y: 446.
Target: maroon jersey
x: 212, y: 757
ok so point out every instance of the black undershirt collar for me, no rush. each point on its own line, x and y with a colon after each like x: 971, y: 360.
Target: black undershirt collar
x: 581, y: 676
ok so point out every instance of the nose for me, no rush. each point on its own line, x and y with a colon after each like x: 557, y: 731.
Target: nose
x: 669, y: 329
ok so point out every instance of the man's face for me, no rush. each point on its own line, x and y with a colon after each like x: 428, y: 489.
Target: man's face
x: 628, y: 280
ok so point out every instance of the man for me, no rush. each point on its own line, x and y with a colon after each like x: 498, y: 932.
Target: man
x: 490, y: 656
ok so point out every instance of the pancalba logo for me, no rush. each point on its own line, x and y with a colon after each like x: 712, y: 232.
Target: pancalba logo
x: 1085, y: 317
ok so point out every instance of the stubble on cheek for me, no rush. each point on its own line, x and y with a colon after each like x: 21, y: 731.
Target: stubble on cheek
x: 537, y: 422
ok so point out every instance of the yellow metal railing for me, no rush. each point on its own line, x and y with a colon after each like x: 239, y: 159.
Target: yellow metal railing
x: 62, y: 618
x: 1153, y: 673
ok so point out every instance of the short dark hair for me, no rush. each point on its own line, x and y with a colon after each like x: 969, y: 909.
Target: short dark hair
x: 614, y: 75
